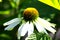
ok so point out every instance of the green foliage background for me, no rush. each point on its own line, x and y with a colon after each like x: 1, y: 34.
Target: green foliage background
x: 10, y: 9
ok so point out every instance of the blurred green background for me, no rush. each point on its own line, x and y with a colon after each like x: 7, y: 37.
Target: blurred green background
x: 10, y: 9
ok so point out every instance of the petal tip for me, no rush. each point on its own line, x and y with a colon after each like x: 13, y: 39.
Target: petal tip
x: 4, y: 24
x: 54, y: 31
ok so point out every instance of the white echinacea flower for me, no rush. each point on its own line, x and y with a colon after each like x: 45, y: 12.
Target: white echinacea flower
x: 31, y: 18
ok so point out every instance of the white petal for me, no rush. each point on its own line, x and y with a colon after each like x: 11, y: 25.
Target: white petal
x: 39, y: 27
x: 46, y: 22
x: 11, y: 21
x: 46, y: 25
x: 19, y: 31
x: 23, y: 29
x: 11, y: 26
x: 30, y: 29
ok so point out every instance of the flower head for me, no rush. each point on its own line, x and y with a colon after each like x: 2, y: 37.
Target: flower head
x: 30, y: 18
x: 30, y: 14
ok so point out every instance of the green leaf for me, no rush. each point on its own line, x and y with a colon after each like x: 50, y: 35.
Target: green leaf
x: 5, y: 12
x: 56, y: 2
x: 39, y: 36
x: 0, y: 0
x: 31, y: 37
x: 53, y: 3
x: 43, y: 36
x: 14, y: 3
x: 59, y: 2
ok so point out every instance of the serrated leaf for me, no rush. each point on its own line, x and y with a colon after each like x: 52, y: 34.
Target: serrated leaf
x: 31, y: 37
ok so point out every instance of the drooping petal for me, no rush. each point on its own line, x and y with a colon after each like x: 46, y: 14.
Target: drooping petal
x: 46, y: 22
x: 46, y: 25
x: 30, y: 29
x: 11, y: 26
x: 39, y: 27
x: 23, y: 29
x: 11, y: 21
x: 19, y: 31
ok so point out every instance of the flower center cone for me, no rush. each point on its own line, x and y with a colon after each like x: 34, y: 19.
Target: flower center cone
x: 30, y: 14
